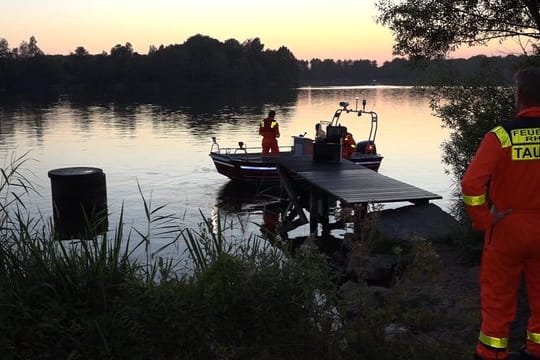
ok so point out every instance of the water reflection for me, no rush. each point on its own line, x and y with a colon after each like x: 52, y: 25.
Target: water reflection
x: 197, y: 110
x: 266, y: 207
x: 236, y: 197
x: 272, y: 216
x: 160, y: 140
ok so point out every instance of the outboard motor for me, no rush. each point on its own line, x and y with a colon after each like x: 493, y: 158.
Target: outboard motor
x: 366, y: 147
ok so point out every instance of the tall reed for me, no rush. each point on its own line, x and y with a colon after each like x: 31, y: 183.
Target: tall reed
x: 98, y: 299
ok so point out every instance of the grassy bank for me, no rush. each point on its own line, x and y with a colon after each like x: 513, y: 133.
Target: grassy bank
x: 244, y: 300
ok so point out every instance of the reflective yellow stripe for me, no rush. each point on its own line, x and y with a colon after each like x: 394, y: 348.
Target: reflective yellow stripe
x: 274, y: 123
x: 526, y: 136
x: 534, y: 337
x: 526, y: 152
x: 474, y: 200
x: 498, y: 343
x: 502, y: 135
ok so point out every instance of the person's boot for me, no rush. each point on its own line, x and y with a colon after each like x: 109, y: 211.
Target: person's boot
x: 511, y: 356
x: 515, y: 356
x: 525, y: 355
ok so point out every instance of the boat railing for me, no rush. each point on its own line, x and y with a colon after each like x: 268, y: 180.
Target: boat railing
x: 345, y: 108
x: 242, y: 149
x: 246, y: 150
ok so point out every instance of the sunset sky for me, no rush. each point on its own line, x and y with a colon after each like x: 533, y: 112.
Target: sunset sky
x: 336, y: 29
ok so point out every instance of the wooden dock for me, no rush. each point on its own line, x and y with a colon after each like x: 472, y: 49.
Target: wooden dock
x: 350, y: 183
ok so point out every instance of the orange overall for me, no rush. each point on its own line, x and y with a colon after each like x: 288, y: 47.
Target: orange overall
x: 269, y: 130
x: 504, y: 177
x: 348, y: 146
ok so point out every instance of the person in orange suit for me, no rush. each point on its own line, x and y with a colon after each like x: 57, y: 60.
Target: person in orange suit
x: 348, y: 146
x: 269, y: 130
x: 502, y: 197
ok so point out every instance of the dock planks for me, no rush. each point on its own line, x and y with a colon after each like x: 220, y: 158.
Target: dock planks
x: 353, y: 183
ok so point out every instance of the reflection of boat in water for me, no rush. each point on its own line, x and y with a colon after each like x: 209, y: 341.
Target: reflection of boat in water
x: 249, y: 165
x: 237, y: 196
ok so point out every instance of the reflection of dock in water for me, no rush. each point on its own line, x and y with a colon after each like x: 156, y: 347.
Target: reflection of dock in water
x: 238, y: 197
x: 270, y: 201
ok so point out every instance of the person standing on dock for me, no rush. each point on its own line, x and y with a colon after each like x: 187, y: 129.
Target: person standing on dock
x: 501, y: 195
x: 269, y: 130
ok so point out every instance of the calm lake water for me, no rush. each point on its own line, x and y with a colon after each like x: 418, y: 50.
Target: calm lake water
x: 162, y: 144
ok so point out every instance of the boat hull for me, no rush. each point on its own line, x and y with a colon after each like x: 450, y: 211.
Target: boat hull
x: 256, y: 168
x: 246, y: 169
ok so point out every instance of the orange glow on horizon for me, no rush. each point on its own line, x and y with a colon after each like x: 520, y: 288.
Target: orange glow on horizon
x: 342, y: 29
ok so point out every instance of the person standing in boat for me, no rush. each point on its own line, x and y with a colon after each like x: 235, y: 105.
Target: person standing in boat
x: 320, y: 135
x: 269, y: 130
x: 348, y: 145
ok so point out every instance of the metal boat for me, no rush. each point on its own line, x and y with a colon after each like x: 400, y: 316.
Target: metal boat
x: 248, y: 164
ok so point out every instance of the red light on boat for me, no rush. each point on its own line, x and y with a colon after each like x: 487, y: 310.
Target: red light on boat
x: 370, y: 149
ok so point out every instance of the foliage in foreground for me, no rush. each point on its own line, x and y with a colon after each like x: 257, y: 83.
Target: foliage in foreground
x: 92, y: 300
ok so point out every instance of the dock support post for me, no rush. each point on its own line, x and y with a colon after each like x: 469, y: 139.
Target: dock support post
x: 313, y: 212
x: 318, y: 212
x: 287, y: 184
x: 324, y: 216
x: 360, y: 213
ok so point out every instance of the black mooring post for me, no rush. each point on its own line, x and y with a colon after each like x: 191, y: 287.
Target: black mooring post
x: 79, y: 199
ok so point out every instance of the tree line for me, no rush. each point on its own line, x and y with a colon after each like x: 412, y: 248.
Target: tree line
x: 202, y: 61
x: 199, y: 61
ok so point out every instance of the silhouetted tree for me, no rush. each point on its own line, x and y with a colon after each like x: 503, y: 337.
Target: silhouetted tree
x: 202, y: 61
x: 152, y: 50
x: 81, y: 51
x: 432, y: 28
x: 252, y: 62
x: 234, y: 54
x: 4, y: 48
x: 206, y: 60
x: 122, y: 50
x: 29, y: 49
x: 281, y: 66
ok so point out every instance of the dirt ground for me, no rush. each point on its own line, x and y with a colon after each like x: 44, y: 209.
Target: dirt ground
x: 458, y: 286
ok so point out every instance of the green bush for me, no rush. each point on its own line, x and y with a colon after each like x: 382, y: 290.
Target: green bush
x: 243, y: 299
